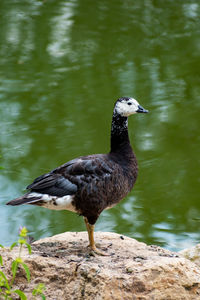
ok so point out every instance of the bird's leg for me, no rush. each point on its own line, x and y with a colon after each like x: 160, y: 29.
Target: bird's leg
x: 90, y: 230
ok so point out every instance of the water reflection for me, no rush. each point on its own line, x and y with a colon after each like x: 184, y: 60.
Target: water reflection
x: 10, y: 126
x: 62, y: 65
x: 60, y: 31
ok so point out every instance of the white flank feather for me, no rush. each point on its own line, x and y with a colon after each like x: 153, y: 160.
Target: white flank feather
x: 54, y: 202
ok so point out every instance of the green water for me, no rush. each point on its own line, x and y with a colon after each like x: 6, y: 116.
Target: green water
x: 62, y: 66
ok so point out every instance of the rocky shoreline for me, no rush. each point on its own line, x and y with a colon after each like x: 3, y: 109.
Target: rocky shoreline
x: 133, y: 270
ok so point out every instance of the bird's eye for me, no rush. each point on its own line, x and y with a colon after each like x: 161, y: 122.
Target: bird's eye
x: 129, y: 103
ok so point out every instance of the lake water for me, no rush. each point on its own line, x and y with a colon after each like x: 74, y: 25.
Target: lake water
x: 62, y: 66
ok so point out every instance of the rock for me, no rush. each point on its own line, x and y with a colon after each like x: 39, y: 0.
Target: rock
x: 133, y: 270
x: 192, y: 254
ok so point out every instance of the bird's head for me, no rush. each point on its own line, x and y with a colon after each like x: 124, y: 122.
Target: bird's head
x: 127, y: 106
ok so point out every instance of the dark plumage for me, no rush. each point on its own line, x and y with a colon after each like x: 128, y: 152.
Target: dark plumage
x: 89, y: 184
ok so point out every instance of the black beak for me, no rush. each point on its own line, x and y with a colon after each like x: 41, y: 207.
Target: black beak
x: 141, y: 109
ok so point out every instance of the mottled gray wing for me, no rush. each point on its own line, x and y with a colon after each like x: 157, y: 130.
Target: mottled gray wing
x: 66, y: 179
x: 85, y: 169
x: 53, y: 184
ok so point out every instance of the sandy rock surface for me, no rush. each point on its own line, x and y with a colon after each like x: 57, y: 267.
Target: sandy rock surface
x: 132, y: 271
x: 192, y: 254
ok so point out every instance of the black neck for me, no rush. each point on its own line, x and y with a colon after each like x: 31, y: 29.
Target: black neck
x: 119, y: 134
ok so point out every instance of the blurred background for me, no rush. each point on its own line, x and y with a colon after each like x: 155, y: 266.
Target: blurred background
x: 62, y: 66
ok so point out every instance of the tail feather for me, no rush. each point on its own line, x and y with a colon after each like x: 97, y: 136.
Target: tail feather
x: 23, y: 200
x: 45, y: 200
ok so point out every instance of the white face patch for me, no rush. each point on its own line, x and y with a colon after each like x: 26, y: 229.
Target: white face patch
x: 126, y: 108
x: 53, y: 202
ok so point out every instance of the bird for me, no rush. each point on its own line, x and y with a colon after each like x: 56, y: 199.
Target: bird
x: 87, y: 185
